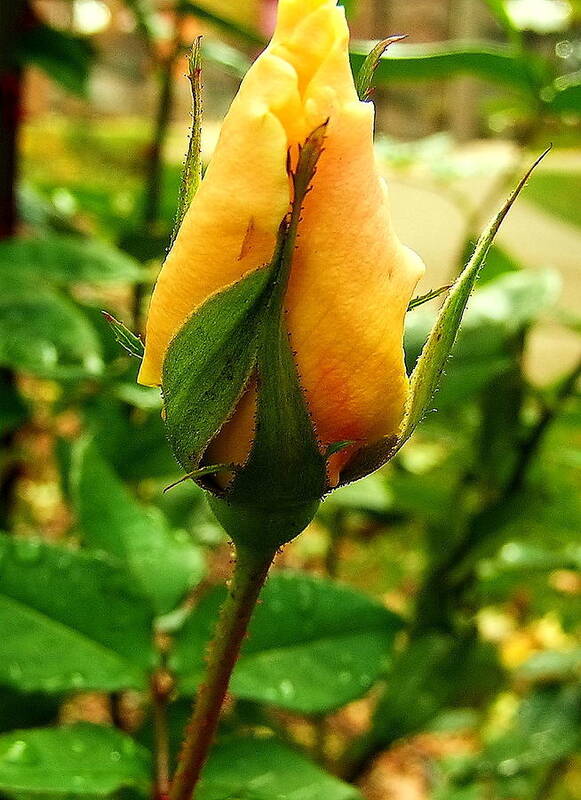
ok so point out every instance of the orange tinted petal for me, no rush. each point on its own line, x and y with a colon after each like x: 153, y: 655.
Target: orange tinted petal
x: 349, y: 291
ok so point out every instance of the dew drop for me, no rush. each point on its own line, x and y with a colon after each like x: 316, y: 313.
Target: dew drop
x: 77, y: 680
x: 509, y: 767
x: 52, y: 684
x: 22, y: 753
x: 286, y: 688
x: 115, y: 756
x: 15, y: 671
x: 128, y: 747
x: 344, y: 677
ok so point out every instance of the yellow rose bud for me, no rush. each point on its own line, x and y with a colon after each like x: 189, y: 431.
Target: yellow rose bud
x: 351, y: 278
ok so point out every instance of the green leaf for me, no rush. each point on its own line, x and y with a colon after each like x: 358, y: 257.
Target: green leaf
x: 65, y: 58
x: 192, y: 173
x: 250, y: 37
x: 39, y: 213
x: 164, y: 564
x: 228, y: 58
x: 499, y: 64
x: 55, y: 602
x: 77, y: 760
x: 371, y: 495
x: 43, y: 332
x: 264, y: 769
x: 350, y: 6
x: 436, y: 352
x: 435, y: 672
x: 208, y: 365
x: 69, y: 259
x: 313, y: 645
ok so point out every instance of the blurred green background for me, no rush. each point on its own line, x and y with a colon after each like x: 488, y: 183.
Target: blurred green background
x: 469, y: 686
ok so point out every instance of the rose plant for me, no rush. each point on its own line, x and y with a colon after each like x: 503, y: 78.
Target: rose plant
x: 275, y: 330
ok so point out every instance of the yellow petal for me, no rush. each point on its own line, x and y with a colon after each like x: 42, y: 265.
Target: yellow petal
x: 351, y: 280
x: 231, y: 226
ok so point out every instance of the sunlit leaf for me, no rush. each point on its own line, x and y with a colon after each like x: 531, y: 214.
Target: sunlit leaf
x: 566, y: 94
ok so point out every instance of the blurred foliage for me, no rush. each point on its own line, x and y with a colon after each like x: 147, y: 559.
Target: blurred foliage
x: 470, y: 537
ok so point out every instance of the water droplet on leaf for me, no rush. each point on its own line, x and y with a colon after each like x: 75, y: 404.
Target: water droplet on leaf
x: 22, y: 753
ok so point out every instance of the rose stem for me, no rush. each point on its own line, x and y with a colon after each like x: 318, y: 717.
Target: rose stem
x: 250, y: 573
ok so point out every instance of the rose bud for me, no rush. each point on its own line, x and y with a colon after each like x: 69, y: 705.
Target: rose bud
x: 350, y: 280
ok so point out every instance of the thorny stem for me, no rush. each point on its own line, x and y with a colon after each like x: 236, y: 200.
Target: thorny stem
x: 250, y: 574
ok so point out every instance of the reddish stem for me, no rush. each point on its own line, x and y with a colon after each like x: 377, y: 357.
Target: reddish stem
x: 249, y: 576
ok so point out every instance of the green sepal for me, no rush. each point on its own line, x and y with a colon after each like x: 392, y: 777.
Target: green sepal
x: 201, y: 472
x: 277, y: 492
x: 209, y: 363
x: 238, y: 333
x: 337, y: 447
x: 428, y: 371
x: 425, y: 298
x: 367, y: 72
x: 192, y: 172
x: 128, y: 340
